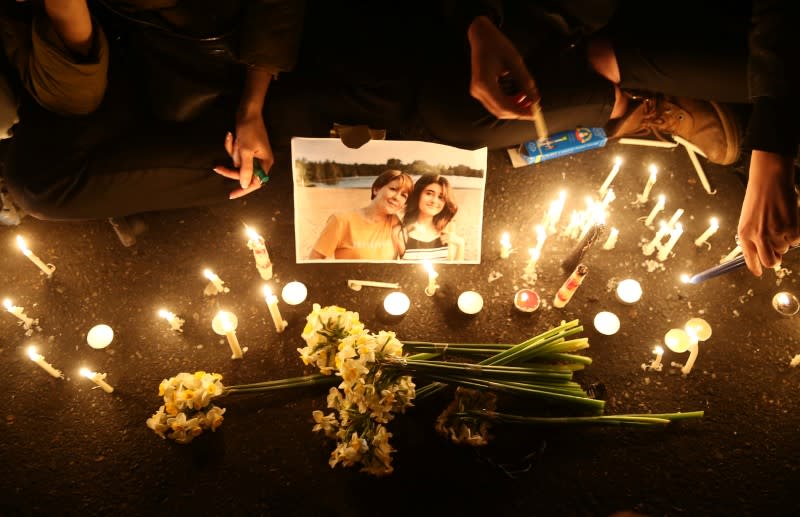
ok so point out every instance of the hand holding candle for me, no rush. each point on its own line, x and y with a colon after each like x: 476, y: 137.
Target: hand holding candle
x: 39, y: 359
x: 224, y: 324
x: 263, y: 262
x: 97, y: 378
x: 430, y: 289
x: 274, y: 311
x: 47, y: 269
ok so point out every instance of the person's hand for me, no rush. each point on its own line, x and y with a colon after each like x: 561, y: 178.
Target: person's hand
x: 494, y: 59
x: 768, y: 223
x: 251, y: 143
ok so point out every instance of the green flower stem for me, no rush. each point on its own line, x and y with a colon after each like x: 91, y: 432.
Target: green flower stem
x: 654, y: 419
x: 524, y: 349
x: 469, y: 369
x: 581, y: 360
x: 281, y: 384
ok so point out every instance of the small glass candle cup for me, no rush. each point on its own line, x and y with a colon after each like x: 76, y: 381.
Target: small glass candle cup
x: 785, y: 303
x: 526, y: 300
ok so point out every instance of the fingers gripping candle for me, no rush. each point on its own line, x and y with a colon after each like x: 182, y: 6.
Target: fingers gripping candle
x: 569, y: 287
x: 260, y: 253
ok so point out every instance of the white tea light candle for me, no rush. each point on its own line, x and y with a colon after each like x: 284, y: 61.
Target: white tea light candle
x: 606, y: 323
x: 470, y: 302
x: 294, y: 293
x: 396, y: 303
x: 97, y: 378
x: 629, y: 291
x: 699, y: 327
x: 100, y: 336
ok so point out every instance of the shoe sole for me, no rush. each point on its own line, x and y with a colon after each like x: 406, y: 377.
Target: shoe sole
x: 733, y: 138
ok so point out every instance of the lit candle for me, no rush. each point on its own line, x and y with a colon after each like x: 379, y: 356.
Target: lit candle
x: 785, y: 303
x: 224, y: 324
x: 47, y: 269
x: 651, y: 180
x: 356, y: 285
x: 554, y: 214
x: 97, y: 378
x: 692, y: 150
x: 608, y: 198
x: 650, y: 247
x: 216, y: 281
x: 735, y: 252
x: 272, y: 304
x: 430, y: 289
x: 396, y: 303
x: 19, y: 312
x: 530, y: 267
x: 175, y: 322
x: 656, y: 209
x: 606, y: 323
x: 541, y: 236
x: 294, y: 293
x: 674, y: 235
x: 611, y: 175
x: 505, y: 245
x: 39, y: 359
x: 612, y: 239
x: 674, y: 219
x: 629, y: 291
x: 708, y: 233
x: 100, y: 336
x: 656, y: 363
x: 679, y: 341
x: 470, y: 302
x: 574, y: 222
x: 263, y: 262
x: 699, y: 327
x: 567, y: 289
x: 526, y: 300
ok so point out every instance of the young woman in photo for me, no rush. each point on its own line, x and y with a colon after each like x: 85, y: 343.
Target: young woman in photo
x: 428, y: 231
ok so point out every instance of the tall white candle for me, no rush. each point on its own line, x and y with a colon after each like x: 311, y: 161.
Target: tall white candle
x: 274, y: 311
x: 175, y: 322
x: 612, y: 239
x: 39, y: 359
x: 19, y: 312
x: 674, y: 219
x: 554, y: 214
x: 611, y: 175
x: 47, y: 269
x: 674, y: 235
x: 650, y: 247
x: 224, y: 324
x: 735, y: 252
x: 505, y: 245
x: 541, y: 236
x: 656, y: 209
x: 430, y: 289
x: 356, y: 285
x: 712, y: 229
x: 97, y: 378
x: 263, y: 262
x: 608, y: 198
x: 651, y: 180
x: 219, y: 285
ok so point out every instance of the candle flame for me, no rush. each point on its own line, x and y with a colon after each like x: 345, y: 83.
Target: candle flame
x: 33, y: 354
x: 21, y: 244
x: 251, y: 233
x: 534, y: 253
x: 267, y: 292
x: 618, y: 160
x: 661, y: 200
x: 208, y: 274
x: 714, y: 223
x: 685, y: 278
x: 164, y: 313
x: 658, y: 350
x: 505, y: 240
x: 7, y: 304
x: 653, y: 171
x: 428, y: 267
x: 87, y: 373
x: 783, y: 298
x: 225, y: 320
x: 524, y: 297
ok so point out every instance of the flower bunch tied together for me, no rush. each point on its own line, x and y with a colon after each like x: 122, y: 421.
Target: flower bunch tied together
x: 368, y: 396
x: 187, y: 410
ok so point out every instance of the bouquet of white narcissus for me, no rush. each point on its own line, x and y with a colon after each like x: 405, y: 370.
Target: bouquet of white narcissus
x: 187, y: 410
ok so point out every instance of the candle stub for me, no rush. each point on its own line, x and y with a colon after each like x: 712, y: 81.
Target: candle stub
x: 526, y: 300
x: 100, y: 336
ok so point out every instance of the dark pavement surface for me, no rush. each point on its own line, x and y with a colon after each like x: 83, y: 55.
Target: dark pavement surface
x: 69, y: 449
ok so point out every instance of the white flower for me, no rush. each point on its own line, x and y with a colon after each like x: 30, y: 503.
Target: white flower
x: 325, y: 423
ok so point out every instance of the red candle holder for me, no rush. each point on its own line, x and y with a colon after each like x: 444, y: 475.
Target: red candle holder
x: 526, y: 300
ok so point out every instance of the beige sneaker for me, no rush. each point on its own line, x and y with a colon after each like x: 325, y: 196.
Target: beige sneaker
x: 709, y: 125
